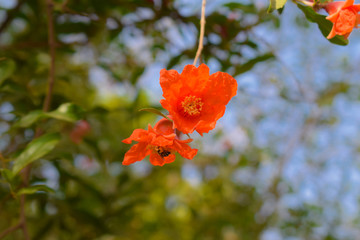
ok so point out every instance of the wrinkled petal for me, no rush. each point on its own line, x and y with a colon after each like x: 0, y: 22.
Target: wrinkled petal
x: 333, y: 7
x: 332, y: 33
x: 195, y: 77
x: 170, y: 83
x: 164, y: 127
x: 156, y: 160
x: 136, y: 153
x: 185, y: 150
x: 210, y: 120
x: 162, y: 140
x: 170, y: 158
x: 137, y: 135
x: 333, y: 17
x: 348, y: 3
x: 220, y: 88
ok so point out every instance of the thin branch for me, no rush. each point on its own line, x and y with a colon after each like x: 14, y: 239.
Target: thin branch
x: 202, y: 31
x: 10, y: 230
x: 10, y: 15
x: 52, y: 45
x: 23, y: 217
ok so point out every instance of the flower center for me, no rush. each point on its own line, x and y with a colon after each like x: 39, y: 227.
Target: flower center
x: 162, y: 151
x: 192, y: 105
x: 346, y: 21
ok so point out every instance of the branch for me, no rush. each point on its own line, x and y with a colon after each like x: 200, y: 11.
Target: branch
x: 10, y: 230
x: 10, y: 16
x: 52, y: 46
x: 202, y: 30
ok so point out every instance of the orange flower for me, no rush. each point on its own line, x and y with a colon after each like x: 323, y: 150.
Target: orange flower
x: 344, y: 17
x: 195, y: 99
x: 159, y: 142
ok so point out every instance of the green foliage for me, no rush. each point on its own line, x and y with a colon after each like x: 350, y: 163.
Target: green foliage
x: 35, y: 189
x: 35, y: 150
x: 7, y: 68
x: 324, y: 25
x: 66, y: 112
x: 105, y: 54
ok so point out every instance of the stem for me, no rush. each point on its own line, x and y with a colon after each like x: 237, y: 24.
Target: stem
x: 52, y: 45
x: 10, y: 230
x: 23, y: 217
x: 202, y: 30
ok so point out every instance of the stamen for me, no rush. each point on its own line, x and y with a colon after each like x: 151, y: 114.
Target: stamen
x: 161, y: 151
x: 192, y: 105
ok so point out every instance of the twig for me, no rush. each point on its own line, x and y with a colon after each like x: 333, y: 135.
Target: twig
x: 23, y: 217
x: 202, y: 30
x: 10, y: 230
x: 52, y: 45
x: 10, y: 16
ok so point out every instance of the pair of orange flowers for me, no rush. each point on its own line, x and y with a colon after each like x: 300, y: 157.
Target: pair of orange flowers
x: 195, y: 101
x: 344, y: 16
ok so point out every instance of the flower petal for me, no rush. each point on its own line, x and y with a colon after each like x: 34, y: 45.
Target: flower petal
x: 195, y: 78
x: 156, y: 160
x: 137, y: 135
x: 220, y: 88
x: 170, y: 84
x: 332, y: 33
x: 348, y: 3
x: 185, y: 150
x: 136, y: 153
x: 170, y: 158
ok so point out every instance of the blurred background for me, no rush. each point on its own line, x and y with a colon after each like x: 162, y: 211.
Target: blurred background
x: 283, y: 162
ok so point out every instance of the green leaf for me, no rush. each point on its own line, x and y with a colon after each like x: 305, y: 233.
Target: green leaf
x: 7, y: 68
x: 153, y: 110
x: 66, y: 112
x: 276, y: 4
x: 34, y: 189
x: 35, y: 150
x: 7, y: 175
x: 324, y: 25
x: 251, y: 63
x: 29, y: 119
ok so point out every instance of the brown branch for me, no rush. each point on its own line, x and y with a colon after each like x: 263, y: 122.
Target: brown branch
x: 10, y: 230
x: 202, y: 31
x: 52, y: 46
x: 23, y: 217
x: 10, y: 15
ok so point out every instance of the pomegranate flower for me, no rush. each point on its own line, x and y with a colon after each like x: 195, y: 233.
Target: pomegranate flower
x: 159, y: 142
x: 344, y: 16
x: 196, y: 100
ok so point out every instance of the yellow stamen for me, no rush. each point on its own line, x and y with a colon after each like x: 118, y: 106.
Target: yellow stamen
x: 192, y: 105
x: 163, y: 152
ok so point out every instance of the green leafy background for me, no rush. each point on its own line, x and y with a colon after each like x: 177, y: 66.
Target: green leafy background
x: 281, y: 164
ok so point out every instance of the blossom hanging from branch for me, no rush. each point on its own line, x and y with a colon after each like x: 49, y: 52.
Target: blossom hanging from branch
x: 195, y: 99
x: 344, y: 16
x: 160, y: 142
